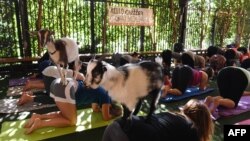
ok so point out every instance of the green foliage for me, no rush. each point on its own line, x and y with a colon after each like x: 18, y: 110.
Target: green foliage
x: 72, y: 18
x: 8, y: 37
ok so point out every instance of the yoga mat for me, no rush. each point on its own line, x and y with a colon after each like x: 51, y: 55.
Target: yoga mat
x: 17, y: 81
x: 15, y: 90
x: 10, y: 106
x: 18, y: 90
x: 20, y: 81
x: 243, y: 122
x: 190, y: 92
x: 243, y: 106
x: 86, y: 120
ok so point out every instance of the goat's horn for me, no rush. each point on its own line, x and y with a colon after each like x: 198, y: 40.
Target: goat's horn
x: 84, y: 63
x: 33, y: 33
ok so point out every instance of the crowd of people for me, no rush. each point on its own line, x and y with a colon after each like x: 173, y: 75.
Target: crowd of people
x: 182, y: 69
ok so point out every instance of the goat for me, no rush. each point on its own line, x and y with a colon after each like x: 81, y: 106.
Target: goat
x: 127, y: 84
x: 62, y: 51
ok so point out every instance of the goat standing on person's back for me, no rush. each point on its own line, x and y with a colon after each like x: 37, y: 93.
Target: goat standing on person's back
x: 61, y: 51
x: 127, y: 84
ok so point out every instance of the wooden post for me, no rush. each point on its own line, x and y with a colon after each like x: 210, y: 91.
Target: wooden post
x: 142, y: 31
x: 18, y: 22
x: 25, y: 28
x: 213, y: 28
x: 104, y: 28
x: 39, y: 23
x: 92, y: 26
x: 183, y: 20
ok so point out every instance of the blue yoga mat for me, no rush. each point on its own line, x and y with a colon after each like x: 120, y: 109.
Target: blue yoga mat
x: 190, y: 92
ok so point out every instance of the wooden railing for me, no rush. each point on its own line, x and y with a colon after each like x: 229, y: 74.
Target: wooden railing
x: 11, y: 64
x: 18, y: 59
x: 84, y: 57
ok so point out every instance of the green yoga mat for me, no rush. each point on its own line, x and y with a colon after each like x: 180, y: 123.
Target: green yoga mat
x: 13, y: 130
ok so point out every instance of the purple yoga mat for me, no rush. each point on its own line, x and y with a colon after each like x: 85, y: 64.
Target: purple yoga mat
x: 243, y: 106
x: 243, y: 122
x: 17, y: 81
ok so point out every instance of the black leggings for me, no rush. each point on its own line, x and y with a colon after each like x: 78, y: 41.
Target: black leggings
x: 181, y: 77
x: 231, y: 83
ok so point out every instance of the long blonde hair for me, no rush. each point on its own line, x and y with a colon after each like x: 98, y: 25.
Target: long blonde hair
x: 198, y: 112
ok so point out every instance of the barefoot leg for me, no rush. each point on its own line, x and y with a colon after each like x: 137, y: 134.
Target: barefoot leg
x: 34, y: 84
x: 208, y: 100
x: 67, y: 116
x: 36, y: 124
x: 29, y: 123
x: 25, y: 98
x: 216, y: 103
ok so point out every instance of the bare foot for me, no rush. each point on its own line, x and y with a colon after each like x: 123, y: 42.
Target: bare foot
x: 27, y: 86
x: 215, y: 105
x: 211, y: 103
x: 175, y: 91
x: 33, y: 76
x: 25, y: 98
x: 208, y: 100
x: 36, y: 124
x: 30, y: 122
x: 165, y: 90
x: 95, y: 107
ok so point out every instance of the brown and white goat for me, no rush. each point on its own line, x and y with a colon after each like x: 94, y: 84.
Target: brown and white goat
x: 62, y: 51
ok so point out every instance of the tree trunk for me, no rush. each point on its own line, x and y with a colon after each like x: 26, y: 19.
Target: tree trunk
x: 104, y: 28
x: 173, y: 21
x: 240, y: 27
x: 39, y: 23
x: 65, y: 18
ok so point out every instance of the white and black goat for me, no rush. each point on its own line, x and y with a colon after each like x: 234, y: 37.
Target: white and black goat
x: 62, y: 51
x: 127, y: 84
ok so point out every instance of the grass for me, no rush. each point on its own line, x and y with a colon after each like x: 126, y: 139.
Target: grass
x: 96, y: 134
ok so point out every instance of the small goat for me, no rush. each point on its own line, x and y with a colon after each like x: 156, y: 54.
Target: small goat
x: 62, y: 51
x: 127, y: 84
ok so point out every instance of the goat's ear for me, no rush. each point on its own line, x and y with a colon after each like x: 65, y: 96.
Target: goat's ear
x: 85, y: 64
x: 51, y: 32
x: 101, y: 58
x: 33, y: 33
x: 104, y: 68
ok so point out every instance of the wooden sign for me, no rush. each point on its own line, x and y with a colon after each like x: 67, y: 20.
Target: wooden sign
x: 130, y: 16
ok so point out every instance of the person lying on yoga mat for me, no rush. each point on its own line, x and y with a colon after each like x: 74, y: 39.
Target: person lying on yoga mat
x: 67, y: 98
x: 192, y: 123
x: 167, y: 81
x: 193, y: 60
x: 49, y: 74
x: 42, y: 64
x: 37, y: 81
x: 233, y: 82
x: 217, y: 62
x: 184, y: 76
